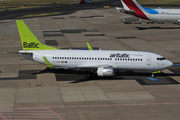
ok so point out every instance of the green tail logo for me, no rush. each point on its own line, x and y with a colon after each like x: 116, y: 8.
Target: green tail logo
x: 28, y: 39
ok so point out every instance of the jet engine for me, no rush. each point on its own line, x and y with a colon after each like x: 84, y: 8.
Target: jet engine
x: 106, y: 71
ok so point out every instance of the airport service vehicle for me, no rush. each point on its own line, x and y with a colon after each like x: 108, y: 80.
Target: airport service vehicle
x: 85, y: 1
x: 132, y: 7
x: 101, y: 62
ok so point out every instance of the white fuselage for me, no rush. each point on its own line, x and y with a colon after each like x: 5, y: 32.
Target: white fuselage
x: 168, y: 15
x: 124, y: 60
x: 134, y: 8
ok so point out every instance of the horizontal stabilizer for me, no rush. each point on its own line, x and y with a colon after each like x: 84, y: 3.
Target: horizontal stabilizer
x: 25, y: 52
x: 125, y: 11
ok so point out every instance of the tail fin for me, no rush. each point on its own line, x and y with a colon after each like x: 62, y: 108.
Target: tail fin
x: 28, y: 39
x: 124, y: 5
x: 134, y: 5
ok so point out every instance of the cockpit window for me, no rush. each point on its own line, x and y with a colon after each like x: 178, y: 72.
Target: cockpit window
x: 161, y: 59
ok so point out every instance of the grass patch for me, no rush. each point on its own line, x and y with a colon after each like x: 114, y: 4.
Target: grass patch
x: 4, y: 8
x: 34, y: 1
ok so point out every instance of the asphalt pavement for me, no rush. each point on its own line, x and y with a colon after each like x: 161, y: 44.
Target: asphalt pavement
x: 51, y: 8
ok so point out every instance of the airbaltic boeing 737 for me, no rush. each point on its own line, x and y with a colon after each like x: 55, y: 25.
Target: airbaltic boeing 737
x: 134, y: 8
x: 102, y: 62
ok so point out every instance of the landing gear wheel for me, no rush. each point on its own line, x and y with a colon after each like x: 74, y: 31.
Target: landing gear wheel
x: 88, y: 75
x: 91, y: 75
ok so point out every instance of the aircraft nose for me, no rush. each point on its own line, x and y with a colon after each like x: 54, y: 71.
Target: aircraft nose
x: 169, y: 63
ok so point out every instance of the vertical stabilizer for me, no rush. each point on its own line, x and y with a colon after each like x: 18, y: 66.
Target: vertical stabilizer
x: 134, y: 5
x: 124, y: 5
x: 28, y: 39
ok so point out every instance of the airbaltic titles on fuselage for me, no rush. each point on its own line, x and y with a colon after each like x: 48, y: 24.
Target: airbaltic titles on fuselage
x: 119, y: 55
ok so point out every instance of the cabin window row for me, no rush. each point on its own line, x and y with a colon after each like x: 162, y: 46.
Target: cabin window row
x: 131, y: 59
x: 82, y: 58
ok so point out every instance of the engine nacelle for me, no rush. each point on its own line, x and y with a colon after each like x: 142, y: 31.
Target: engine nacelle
x: 106, y: 71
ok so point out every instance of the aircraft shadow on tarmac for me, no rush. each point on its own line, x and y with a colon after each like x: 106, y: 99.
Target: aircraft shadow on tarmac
x: 140, y: 77
x: 80, y: 76
x: 146, y: 28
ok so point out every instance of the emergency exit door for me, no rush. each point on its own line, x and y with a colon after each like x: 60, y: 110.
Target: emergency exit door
x: 148, y: 60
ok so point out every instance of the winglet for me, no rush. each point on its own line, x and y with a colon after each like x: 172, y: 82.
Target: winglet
x: 48, y: 63
x: 89, y: 46
x: 28, y: 39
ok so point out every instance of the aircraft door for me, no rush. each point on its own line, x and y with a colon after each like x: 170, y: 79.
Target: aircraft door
x: 148, y: 60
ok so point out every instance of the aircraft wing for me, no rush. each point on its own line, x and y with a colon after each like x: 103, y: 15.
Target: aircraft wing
x: 125, y: 11
x: 85, y: 67
x: 80, y: 67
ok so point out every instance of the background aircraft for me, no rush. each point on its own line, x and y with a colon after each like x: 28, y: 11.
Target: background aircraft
x: 101, y: 62
x: 85, y: 1
x: 134, y: 8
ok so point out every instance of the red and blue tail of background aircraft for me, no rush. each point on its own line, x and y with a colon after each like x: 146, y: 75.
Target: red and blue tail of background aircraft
x: 134, y: 8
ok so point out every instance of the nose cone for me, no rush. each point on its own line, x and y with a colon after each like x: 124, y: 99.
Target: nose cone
x: 169, y: 63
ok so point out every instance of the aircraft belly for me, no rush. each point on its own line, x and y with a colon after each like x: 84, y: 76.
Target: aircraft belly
x: 163, y: 17
x: 131, y: 66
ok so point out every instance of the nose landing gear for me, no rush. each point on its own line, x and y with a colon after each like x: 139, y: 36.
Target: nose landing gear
x: 152, y: 76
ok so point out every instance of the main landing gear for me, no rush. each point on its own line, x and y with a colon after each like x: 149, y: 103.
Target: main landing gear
x: 91, y: 74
